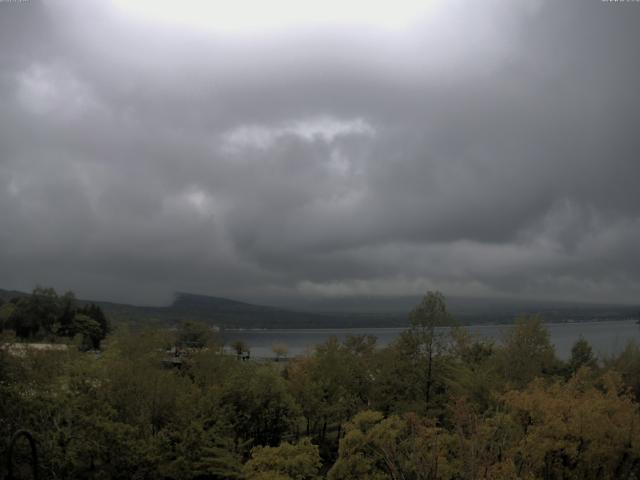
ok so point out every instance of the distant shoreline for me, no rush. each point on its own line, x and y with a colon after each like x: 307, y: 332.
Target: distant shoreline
x: 477, y: 325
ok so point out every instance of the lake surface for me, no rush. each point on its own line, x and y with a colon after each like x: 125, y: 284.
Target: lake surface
x: 606, y: 338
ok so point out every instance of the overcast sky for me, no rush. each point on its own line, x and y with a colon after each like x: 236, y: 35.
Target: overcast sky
x: 485, y: 148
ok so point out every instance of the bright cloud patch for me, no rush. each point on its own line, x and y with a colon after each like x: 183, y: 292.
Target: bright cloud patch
x: 44, y: 89
x: 326, y: 129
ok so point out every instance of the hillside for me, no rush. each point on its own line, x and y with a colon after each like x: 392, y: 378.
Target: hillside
x: 222, y: 312
x: 344, y: 312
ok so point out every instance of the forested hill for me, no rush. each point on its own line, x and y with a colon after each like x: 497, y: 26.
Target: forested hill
x: 224, y: 312
x: 343, y: 313
x: 228, y: 313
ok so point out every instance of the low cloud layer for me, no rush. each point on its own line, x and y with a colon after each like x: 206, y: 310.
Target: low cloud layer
x: 485, y: 148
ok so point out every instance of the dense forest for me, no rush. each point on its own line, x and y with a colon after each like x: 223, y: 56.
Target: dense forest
x: 432, y: 405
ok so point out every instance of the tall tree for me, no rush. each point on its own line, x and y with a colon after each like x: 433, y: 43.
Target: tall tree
x: 68, y: 309
x: 6, y: 313
x: 429, y: 314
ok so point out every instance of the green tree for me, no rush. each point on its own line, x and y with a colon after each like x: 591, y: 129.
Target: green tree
x: 195, y: 335
x: 474, y: 376
x: 67, y: 309
x: 287, y: 461
x: 44, y: 304
x: 89, y: 331
x: 258, y: 404
x: 527, y: 352
x: 395, y: 447
x: 6, y: 312
x: 142, y: 392
x: 95, y: 312
x: 36, y: 314
x: 400, y: 371
x: 581, y: 356
x: 330, y: 386
x: 429, y: 314
x: 192, y: 451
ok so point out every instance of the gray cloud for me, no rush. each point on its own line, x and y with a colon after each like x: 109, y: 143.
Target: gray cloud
x: 489, y: 149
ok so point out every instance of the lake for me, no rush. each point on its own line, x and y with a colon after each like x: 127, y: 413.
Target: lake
x: 606, y: 338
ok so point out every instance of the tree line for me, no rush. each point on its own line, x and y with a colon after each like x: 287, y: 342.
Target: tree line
x: 434, y: 404
x: 44, y: 315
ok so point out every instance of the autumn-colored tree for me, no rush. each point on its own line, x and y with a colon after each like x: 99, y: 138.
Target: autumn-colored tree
x: 480, y: 443
x: 496, y: 412
x: 576, y: 431
x: 627, y: 364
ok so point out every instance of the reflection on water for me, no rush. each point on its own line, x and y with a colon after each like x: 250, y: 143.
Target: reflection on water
x: 606, y: 338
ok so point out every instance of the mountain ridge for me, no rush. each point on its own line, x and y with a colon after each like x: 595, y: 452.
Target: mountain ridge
x: 343, y: 313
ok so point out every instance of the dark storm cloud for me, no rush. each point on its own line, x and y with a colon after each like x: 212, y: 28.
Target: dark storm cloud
x: 490, y: 149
